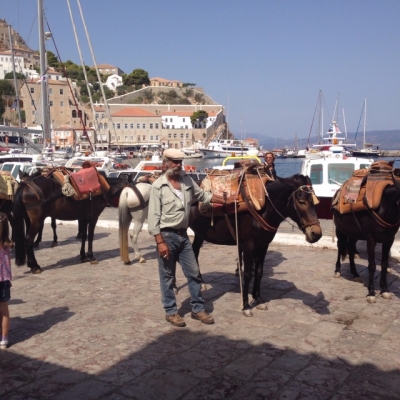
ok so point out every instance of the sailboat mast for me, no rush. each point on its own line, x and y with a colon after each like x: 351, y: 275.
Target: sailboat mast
x: 43, y: 75
x: 365, y: 118
x: 15, y: 76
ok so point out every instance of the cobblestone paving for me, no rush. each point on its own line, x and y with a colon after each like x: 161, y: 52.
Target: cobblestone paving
x: 82, y: 331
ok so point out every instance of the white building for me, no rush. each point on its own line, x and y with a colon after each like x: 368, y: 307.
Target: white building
x: 6, y: 66
x: 113, y: 81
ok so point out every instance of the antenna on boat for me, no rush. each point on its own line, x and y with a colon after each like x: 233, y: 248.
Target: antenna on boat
x: 344, y: 124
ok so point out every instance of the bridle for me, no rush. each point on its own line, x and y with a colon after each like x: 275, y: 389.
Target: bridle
x: 313, y: 199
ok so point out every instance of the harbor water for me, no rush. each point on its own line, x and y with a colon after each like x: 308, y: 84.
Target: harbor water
x: 284, y: 166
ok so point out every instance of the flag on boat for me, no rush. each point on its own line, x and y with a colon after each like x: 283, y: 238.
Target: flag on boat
x: 42, y: 79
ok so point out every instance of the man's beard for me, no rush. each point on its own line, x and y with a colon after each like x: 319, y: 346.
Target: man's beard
x: 173, y: 171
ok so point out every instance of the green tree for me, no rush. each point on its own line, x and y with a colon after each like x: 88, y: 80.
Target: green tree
x: 136, y: 78
x: 6, y: 89
x: 52, y: 60
x: 123, y: 89
x: 199, y: 98
x: 18, y: 75
x: 199, y: 117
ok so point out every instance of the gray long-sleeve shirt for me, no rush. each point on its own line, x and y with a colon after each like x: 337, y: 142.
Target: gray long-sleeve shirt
x: 166, y: 209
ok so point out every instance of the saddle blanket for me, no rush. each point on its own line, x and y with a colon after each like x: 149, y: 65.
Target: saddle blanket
x: 8, y: 185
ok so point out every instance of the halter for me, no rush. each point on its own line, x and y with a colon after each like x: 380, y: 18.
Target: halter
x: 313, y: 199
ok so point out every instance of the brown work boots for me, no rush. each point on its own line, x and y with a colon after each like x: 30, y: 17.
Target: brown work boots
x: 177, y: 320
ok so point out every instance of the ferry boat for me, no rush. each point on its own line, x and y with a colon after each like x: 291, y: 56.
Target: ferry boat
x: 327, y: 174
x: 226, y: 147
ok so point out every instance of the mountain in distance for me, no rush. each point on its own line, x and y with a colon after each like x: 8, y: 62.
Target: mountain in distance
x: 386, y: 140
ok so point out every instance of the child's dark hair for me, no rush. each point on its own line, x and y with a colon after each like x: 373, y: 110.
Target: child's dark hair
x: 5, y: 240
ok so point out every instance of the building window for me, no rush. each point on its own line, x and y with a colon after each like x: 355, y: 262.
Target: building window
x: 106, y: 126
x: 156, y: 126
x: 50, y: 103
x: 119, y: 137
x: 112, y: 137
x: 181, y: 135
x: 131, y: 126
x: 183, y: 120
x: 126, y: 126
x: 173, y: 126
x: 73, y: 113
x: 170, y: 120
x: 187, y: 136
x: 96, y: 116
x: 61, y: 104
x: 137, y: 126
x: 32, y: 90
x: 57, y: 78
x: 151, y: 138
x: 174, y: 135
x: 118, y: 126
x: 144, y: 126
x: 50, y: 91
x: 151, y: 126
x: 156, y: 137
x: 61, y: 91
x: 33, y: 102
x: 186, y: 127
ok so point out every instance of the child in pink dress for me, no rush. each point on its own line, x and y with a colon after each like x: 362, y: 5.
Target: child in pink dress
x: 5, y: 279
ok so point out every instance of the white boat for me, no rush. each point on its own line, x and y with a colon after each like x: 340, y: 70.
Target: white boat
x: 327, y: 174
x: 189, y: 153
x: 368, y: 150
x: 334, y: 137
x: 226, y: 147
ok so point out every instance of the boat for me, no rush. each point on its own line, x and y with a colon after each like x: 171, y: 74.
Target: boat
x: 189, y: 153
x: 230, y: 161
x: 368, y: 149
x: 223, y: 147
x: 334, y: 137
x: 328, y: 173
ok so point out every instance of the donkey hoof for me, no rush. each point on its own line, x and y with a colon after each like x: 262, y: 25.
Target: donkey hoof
x: 247, y: 313
x: 357, y: 279
x: 142, y: 260
x: 36, y: 271
x: 93, y: 262
x: 127, y: 262
x: 386, y: 295
x: 337, y: 274
x: 262, y: 306
x: 371, y: 299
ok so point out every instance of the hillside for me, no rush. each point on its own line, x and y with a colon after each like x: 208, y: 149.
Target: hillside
x: 387, y: 140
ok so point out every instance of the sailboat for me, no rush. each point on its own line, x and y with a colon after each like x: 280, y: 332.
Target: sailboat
x: 368, y: 149
x: 334, y: 142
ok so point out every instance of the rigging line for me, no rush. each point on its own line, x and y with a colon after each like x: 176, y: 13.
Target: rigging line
x: 312, y: 122
x: 107, y: 108
x: 70, y: 87
x: 83, y: 67
x: 359, y: 122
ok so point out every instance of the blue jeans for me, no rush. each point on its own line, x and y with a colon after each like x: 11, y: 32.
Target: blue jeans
x: 180, y: 250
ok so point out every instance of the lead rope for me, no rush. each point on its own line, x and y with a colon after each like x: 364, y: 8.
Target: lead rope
x: 238, y: 253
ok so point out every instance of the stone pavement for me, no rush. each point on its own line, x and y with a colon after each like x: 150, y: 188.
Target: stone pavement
x: 81, y: 331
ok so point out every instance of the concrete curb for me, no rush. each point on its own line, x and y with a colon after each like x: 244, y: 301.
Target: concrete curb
x: 289, y: 239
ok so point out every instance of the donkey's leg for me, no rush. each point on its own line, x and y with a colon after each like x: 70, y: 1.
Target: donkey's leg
x: 92, y: 226
x: 138, y: 220
x: 248, y: 260
x: 83, y: 229
x: 54, y: 228
x: 352, y: 254
x: 342, y: 251
x: 371, y: 243
x: 197, y: 243
x: 259, y: 256
x: 386, y: 246
x: 34, y: 227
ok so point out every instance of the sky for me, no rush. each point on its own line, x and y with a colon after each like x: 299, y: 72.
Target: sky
x: 265, y: 61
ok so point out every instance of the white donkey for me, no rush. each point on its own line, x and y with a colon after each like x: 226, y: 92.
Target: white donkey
x: 133, y: 204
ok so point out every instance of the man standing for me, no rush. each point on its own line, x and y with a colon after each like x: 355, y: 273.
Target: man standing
x: 269, y: 165
x: 171, y: 197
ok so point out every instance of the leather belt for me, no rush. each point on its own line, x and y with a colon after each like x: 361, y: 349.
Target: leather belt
x: 180, y: 232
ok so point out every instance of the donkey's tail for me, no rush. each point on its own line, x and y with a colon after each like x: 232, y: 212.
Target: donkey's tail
x: 124, y: 218
x: 19, y: 213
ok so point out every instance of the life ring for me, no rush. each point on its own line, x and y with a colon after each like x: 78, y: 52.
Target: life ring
x: 190, y: 168
x: 335, y: 141
x: 340, y: 141
x: 337, y: 155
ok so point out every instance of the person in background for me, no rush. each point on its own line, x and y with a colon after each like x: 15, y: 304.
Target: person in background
x: 5, y: 279
x: 269, y: 165
x: 171, y: 197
